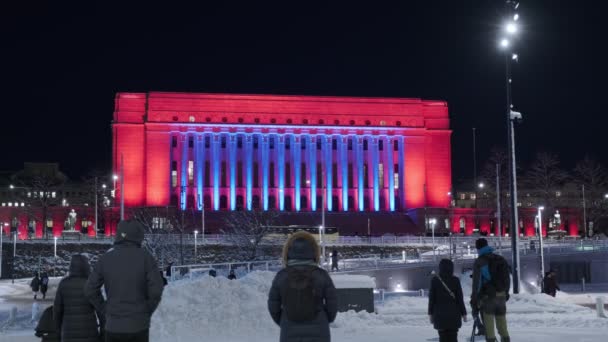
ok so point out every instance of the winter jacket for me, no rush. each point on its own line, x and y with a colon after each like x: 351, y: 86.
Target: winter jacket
x: 482, y: 276
x: 550, y: 286
x: 446, y: 310
x: 74, y: 315
x: 132, y: 283
x: 47, y: 328
x: 44, y: 283
x: 301, y: 251
x: 35, y: 284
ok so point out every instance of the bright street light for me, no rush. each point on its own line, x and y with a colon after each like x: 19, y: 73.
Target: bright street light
x: 516, y: 17
x: 504, y: 43
x: 606, y: 196
x: 115, y: 177
x: 511, y: 28
x: 541, y: 208
x: 514, y: 57
x: 11, y: 186
x: 481, y: 185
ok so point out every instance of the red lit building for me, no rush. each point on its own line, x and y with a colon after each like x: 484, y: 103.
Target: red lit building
x: 290, y: 153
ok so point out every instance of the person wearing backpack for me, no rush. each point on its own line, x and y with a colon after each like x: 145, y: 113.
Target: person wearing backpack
x: 35, y: 285
x: 302, y: 299
x: 490, y: 292
x: 44, y: 284
x: 446, y: 303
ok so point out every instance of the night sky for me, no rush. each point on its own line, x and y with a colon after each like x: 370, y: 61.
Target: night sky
x: 63, y: 62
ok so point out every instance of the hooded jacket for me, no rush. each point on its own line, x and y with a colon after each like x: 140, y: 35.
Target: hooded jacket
x: 446, y: 306
x: 302, y: 251
x: 72, y: 312
x: 131, y: 280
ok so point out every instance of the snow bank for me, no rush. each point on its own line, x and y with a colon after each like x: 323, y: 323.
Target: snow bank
x: 347, y: 281
x: 191, y: 310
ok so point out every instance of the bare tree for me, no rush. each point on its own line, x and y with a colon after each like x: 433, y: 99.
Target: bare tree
x: 160, y: 223
x: 247, y: 229
x: 594, y: 177
x: 39, y: 187
x: 545, y: 178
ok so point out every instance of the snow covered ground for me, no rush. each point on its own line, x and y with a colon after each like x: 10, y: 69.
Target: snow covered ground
x: 217, y: 309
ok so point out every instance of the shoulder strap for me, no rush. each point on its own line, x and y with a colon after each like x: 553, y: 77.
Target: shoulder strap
x: 447, y: 288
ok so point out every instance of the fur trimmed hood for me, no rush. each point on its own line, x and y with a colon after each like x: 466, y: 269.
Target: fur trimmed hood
x: 301, y: 245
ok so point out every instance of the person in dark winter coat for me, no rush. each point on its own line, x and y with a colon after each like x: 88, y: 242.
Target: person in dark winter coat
x: 231, y: 275
x: 73, y: 314
x: 334, y: 260
x: 132, y: 283
x: 44, y: 284
x: 301, y: 259
x: 446, y: 303
x: 550, y: 286
x: 35, y: 285
x: 168, y: 270
x: 165, y: 282
x: 47, y: 328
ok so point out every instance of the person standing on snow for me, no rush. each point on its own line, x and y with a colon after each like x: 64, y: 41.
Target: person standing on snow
x: 73, y: 314
x: 35, y: 285
x: 302, y: 299
x: 231, y: 275
x: 44, y: 284
x: 334, y: 260
x: 446, y: 303
x: 132, y: 283
x: 490, y: 292
x: 550, y: 286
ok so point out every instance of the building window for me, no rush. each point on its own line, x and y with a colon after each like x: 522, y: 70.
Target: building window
x: 334, y: 144
x: 223, y: 142
x: 473, y: 196
x: 381, y: 145
x: 287, y: 143
x: 350, y: 144
x: 239, y: 174
x: 207, y: 174
x: 174, y: 142
x: 303, y: 181
x: 558, y: 194
x: 365, y: 176
x: 271, y: 175
x: 463, y: 196
x: 239, y: 142
x: 173, y: 174
x: 190, y: 172
x: 256, y: 176
x: 223, y: 174
x: 395, y: 145
x: 334, y: 175
x: 303, y: 144
x: 396, y: 180
x: 190, y: 142
x: 365, y: 144
x: 271, y: 143
x: 381, y: 175
x: 319, y: 144
x: 350, y: 176
x: 255, y: 142
x: 319, y: 175
x: 288, y: 175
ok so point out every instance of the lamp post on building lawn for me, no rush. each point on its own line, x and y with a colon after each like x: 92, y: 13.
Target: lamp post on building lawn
x: 432, y: 222
x: 540, y: 238
x: 195, y: 235
x: 2, y: 225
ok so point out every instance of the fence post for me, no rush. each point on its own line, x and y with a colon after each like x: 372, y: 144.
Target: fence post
x: 267, y: 268
x: 248, y: 267
x: 583, y: 284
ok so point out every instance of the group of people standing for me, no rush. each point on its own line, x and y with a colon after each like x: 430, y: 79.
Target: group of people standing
x: 40, y: 284
x: 133, y: 288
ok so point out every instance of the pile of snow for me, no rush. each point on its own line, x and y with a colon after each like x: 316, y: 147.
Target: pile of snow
x: 347, y: 281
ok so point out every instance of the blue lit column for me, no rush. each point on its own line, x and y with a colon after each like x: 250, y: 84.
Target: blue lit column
x: 215, y: 157
x: 358, y: 145
x: 344, y: 164
x: 312, y: 168
x: 264, y: 143
x: 199, y: 157
x: 297, y: 168
x: 249, y: 165
x: 327, y: 148
x: 375, y: 161
x: 390, y: 170
x: 281, y: 169
x: 184, y: 172
x: 401, y: 154
x: 232, y: 156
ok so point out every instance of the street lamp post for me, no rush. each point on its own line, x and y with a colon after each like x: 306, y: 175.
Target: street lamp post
x: 540, y: 238
x: 505, y: 43
x: 195, y: 235
x: 55, y: 247
x: 498, y: 214
x: 2, y: 225
x: 433, y: 221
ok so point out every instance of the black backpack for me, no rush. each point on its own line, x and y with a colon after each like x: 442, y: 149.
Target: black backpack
x: 299, y: 300
x: 500, y: 271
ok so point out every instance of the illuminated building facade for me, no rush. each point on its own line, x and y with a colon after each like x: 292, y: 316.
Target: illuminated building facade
x: 290, y: 153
